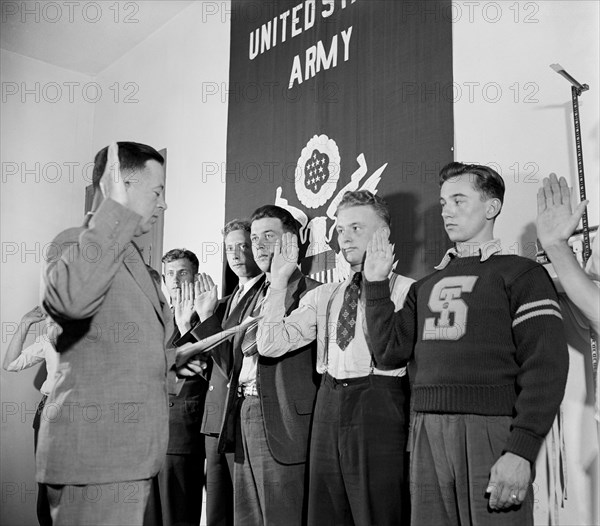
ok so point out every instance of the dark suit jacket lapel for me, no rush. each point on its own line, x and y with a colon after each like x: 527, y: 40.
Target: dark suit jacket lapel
x: 245, y: 305
x: 243, y: 309
x: 228, y: 305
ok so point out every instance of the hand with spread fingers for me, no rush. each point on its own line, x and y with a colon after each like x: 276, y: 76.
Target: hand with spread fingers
x: 184, y: 307
x: 205, y: 296
x: 379, y: 257
x: 285, y: 260
x: 509, y: 481
x: 556, y: 221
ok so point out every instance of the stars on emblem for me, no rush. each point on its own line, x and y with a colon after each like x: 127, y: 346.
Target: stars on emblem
x: 316, y: 171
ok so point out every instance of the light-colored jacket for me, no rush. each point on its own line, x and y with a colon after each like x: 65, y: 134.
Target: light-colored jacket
x: 106, y: 419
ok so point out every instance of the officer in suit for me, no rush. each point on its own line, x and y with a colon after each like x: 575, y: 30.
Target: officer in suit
x: 104, y: 430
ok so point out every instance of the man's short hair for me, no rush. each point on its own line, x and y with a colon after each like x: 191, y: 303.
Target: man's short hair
x: 287, y: 220
x: 235, y: 224
x: 366, y: 198
x: 485, y: 180
x: 132, y: 156
x: 182, y: 253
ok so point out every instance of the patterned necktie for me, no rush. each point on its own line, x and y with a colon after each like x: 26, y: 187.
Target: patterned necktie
x: 249, y: 347
x: 347, y: 318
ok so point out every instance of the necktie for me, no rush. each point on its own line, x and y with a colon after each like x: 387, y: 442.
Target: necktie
x: 347, y: 318
x: 236, y: 298
x: 249, y: 342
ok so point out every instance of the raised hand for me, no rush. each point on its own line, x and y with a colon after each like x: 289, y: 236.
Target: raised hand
x: 205, y: 296
x: 184, y: 307
x: 556, y: 221
x: 380, y: 257
x: 112, y: 184
x: 285, y: 260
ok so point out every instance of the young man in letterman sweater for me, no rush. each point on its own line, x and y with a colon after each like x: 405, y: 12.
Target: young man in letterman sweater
x: 490, y: 361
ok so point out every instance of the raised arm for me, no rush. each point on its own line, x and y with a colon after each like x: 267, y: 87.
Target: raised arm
x: 555, y: 224
x: 277, y: 333
x: 12, y: 361
x: 392, y: 335
x: 81, y: 264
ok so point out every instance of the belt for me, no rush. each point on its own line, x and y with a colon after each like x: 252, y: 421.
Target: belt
x: 375, y: 380
x: 245, y: 391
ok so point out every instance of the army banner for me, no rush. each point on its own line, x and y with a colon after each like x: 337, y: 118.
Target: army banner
x: 327, y: 96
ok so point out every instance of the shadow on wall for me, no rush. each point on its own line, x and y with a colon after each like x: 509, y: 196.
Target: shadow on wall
x: 413, y: 250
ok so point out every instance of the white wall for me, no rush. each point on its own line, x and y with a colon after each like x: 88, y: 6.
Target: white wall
x: 166, y: 74
x: 180, y: 74
x: 175, y: 70
x: 518, y: 115
x: 45, y: 146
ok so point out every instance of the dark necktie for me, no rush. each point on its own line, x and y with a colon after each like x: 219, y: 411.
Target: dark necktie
x: 347, y: 318
x: 249, y: 342
x: 235, y: 300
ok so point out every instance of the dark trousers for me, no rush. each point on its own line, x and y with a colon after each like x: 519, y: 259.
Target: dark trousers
x: 42, y: 504
x: 219, y: 484
x: 266, y: 492
x: 357, y: 452
x: 114, y: 504
x: 176, y: 498
x: 451, y: 459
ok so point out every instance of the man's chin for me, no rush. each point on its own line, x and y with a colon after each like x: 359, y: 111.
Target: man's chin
x: 240, y: 272
x: 353, y: 258
x: 140, y: 231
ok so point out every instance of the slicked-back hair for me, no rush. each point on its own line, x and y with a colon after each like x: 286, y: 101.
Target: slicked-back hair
x: 366, y: 198
x: 487, y: 181
x: 235, y: 224
x: 182, y: 253
x: 287, y: 220
x: 132, y: 156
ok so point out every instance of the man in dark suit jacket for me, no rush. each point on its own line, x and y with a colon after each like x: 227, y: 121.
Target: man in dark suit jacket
x: 269, y: 402
x: 104, y: 431
x: 228, y: 313
x: 177, y: 498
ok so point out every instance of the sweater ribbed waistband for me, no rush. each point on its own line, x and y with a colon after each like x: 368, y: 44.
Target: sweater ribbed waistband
x: 497, y: 400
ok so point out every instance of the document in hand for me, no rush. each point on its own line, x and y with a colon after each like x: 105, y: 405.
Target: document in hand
x: 189, y: 350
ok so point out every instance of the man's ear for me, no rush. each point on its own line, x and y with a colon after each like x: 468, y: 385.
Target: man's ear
x: 129, y: 177
x: 493, y: 208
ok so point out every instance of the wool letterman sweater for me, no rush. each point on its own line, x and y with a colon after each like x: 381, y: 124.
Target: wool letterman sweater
x: 486, y: 338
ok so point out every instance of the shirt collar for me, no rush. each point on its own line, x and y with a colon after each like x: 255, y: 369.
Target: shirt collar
x: 485, y: 251
x: 248, y: 285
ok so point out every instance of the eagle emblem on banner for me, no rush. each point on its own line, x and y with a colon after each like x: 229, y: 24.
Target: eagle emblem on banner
x: 317, y: 176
